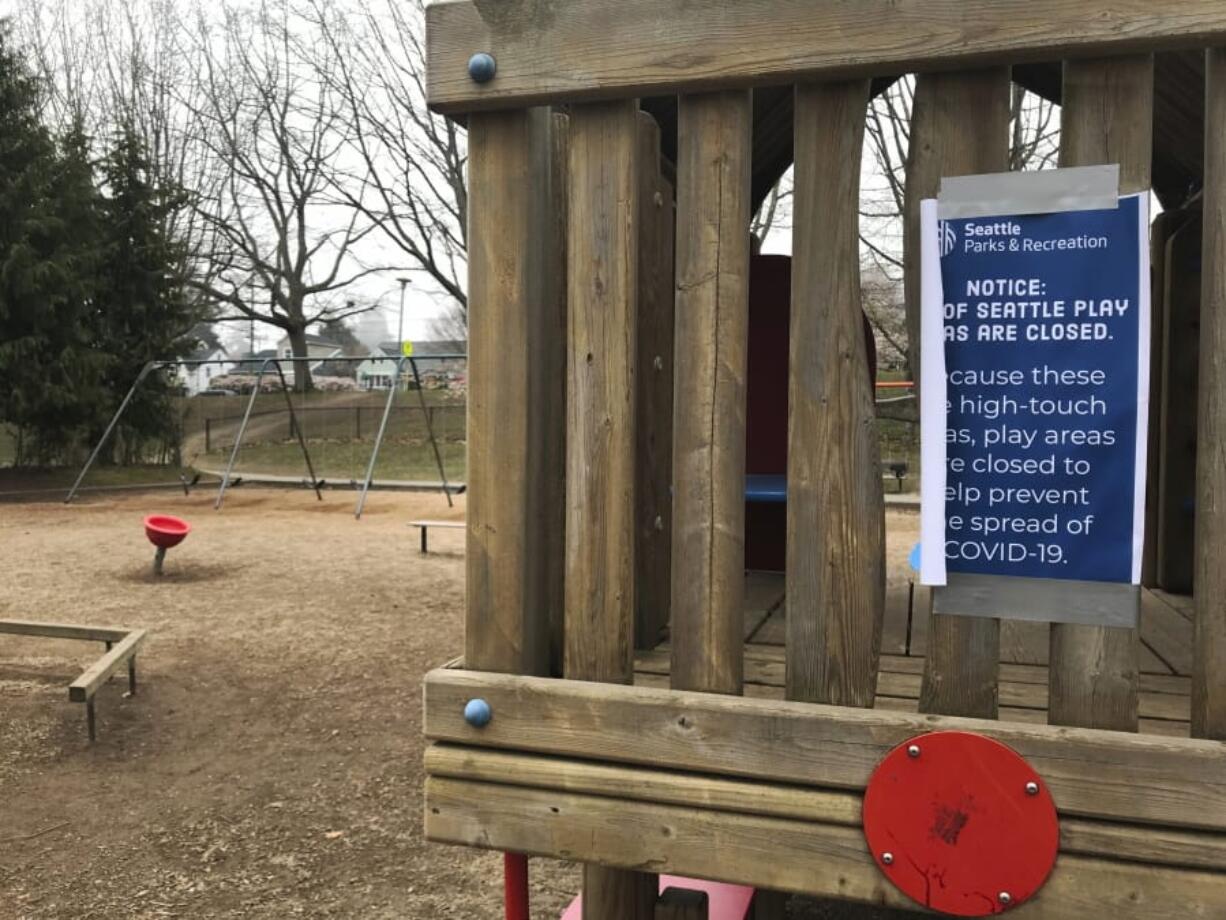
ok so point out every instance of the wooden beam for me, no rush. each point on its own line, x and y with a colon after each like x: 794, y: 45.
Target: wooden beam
x: 1161, y: 230
x: 1107, y: 117
x: 555, y: 511
x: 1181, y: 299
x: 775, y: 853
x: 1134, y: 843
x: 588, y: 49
x: 62, y: 631
x: 97, y: 674
x: 602, y: 284
x: 1209, y: 646
x: 835, y: 512
x: 714, y: 150
x: 961, y: 128
x: 1091, y: 773
x: 654, y: 405
x: 512, y: 366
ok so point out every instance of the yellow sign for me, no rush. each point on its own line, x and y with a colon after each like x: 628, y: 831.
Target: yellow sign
x: 406, y: 349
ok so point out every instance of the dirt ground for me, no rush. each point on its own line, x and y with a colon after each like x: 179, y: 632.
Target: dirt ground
x: 270, y: 764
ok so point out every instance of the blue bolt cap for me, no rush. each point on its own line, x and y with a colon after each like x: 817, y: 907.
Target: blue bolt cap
x: 477, y: 713
x: 482, y: 67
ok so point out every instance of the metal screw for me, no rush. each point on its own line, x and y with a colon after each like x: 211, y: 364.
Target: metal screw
x: 1005, y: 898
x: 482, y: 67
x: 913, y: 751
x: 1032, y: 788
x: 478, y: 713
x: 887, y: 859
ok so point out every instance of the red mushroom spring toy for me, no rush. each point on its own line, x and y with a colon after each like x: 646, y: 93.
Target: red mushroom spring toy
x: 164, y: 531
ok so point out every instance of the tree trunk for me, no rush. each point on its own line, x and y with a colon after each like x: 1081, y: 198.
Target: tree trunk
x: 302, y: 369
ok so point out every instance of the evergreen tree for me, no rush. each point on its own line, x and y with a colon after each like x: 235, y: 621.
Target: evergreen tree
x: 142, y: 310
x: 48, y: 254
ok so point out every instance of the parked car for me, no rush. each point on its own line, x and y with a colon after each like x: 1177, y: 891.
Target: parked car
x: 217, y: 392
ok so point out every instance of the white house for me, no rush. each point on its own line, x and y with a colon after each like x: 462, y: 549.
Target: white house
x: 317, y: 348
x: 432, y: 359
x: 374, y: 373
x: 197, y: 377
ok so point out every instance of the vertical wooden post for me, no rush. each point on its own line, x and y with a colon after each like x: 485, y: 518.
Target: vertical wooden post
x: 714, y: 151
x: 1209, y: 646
x: 1182, y: 255
x: 555, y: 508
x: 1164, y: 226
x: 654, y: 408
x: 513, y: 421
x: 1107, y: 117
x: 960, y: 126
x: 835, y: 514
x: 602, y: 284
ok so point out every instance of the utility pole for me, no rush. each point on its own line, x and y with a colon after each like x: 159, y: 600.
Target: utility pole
x: 404, y: 282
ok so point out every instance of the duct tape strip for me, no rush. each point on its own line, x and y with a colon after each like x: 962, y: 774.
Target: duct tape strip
x: 1043, y: 600
x: 1079, y: 188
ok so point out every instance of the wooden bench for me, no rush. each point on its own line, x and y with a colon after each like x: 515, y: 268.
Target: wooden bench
x: 121, y: 647
x: 424, y: 526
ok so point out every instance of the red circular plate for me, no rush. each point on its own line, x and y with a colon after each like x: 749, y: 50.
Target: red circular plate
x: 950, y: 820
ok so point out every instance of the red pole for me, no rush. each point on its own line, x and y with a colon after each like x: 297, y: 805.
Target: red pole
x: 515, y: 885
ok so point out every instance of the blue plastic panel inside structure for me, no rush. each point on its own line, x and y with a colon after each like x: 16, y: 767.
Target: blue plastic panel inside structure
x: 766, y: 487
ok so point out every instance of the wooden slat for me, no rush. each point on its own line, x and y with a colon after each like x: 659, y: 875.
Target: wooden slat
x: 713, y: 171
x: 587, y: 49
x: 896, y: 620
x: 965, y: 131
x: 513, y: 348
x: 1168, y: 633
x: 62, y: 630
x: 763, y: 595
x: 1107, y: 117
x: 835, y: 513
x: 1163, y: 728
x: 1091, y: 773
x: 1028, y: 693
x: 1022, y: 642
x: 1189, y: 849
x: 554, y: 514
x: 1177, y: 423
x: 1183, y: 603
x: 1209, y: 673
x: 85, y: 686
x: 654, y: 405
x: 602, y: 292
x: 776, y: 853
x: 774, y: 630
x: 1164, y: 225
x: 602, y: 289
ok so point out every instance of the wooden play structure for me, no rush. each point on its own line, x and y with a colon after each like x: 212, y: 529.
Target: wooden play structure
x: 607, y: 461
x: 121, y: 648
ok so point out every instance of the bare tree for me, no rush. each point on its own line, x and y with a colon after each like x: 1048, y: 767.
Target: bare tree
x: 410, y: 161
x: 1034, y: 144
x: 278, y: 212
x: 118, y: 67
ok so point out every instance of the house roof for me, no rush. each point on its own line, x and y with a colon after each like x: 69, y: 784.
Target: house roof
x: 205, y: 354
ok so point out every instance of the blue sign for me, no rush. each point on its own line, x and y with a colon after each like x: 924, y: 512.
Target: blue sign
x: 1043, y: 319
